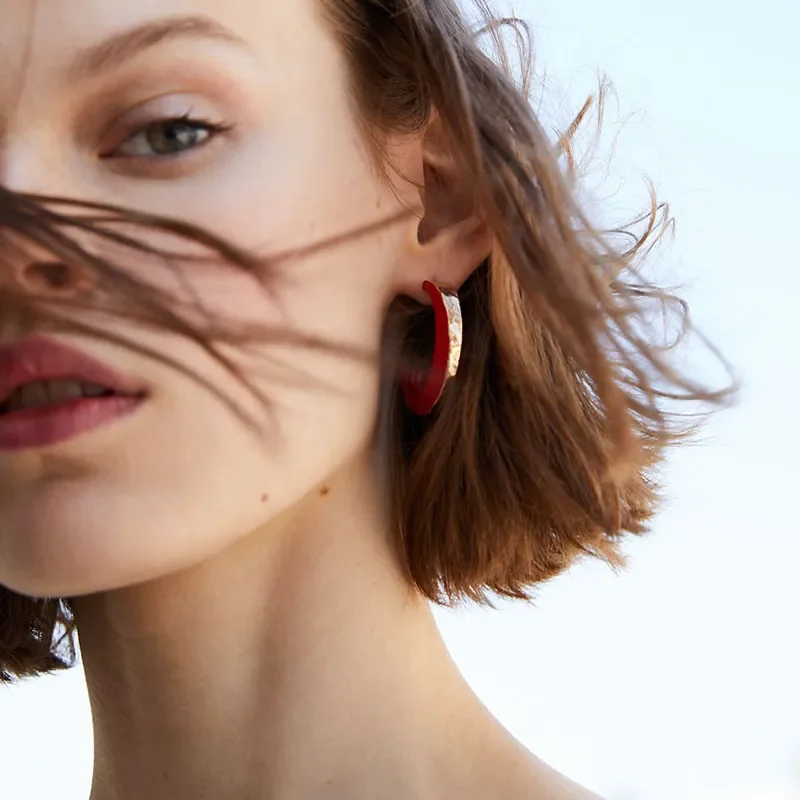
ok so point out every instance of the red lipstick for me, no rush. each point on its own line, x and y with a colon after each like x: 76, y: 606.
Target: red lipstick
x: 97, y: 395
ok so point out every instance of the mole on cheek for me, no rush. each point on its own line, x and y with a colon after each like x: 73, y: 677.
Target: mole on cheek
x: 324, y: 491
x: 264, y: 498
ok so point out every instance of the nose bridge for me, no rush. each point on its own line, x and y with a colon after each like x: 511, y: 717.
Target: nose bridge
x: 32, y: 162
x: 16, y: 40
x: 35, y: 159
x: 26, y: 141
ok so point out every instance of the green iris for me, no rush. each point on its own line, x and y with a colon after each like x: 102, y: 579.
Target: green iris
x: 174, y: 136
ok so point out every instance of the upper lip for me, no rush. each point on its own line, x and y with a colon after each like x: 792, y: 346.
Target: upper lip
x: 42, y: 359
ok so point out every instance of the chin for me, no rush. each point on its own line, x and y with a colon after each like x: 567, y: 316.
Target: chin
x: 72, y: 537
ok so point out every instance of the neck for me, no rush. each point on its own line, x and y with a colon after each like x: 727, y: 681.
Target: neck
x: 298, y: 663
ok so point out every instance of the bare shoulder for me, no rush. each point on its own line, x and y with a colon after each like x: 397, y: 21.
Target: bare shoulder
x: 508, y: 770
x: 539, y: 781
x: 555, y: 786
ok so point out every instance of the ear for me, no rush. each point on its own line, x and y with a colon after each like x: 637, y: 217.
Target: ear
x: 452, y: 239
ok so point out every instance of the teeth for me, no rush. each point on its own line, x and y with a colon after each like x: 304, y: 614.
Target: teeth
x: 43, y: 393
x: 93, y: 390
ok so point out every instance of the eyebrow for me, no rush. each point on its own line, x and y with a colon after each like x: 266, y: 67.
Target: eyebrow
x: 122, y: 47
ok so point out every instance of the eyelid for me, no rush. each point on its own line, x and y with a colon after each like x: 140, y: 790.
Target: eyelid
x: 157, y: 109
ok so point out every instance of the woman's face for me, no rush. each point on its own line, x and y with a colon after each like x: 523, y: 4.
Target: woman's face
x: 270, y: 156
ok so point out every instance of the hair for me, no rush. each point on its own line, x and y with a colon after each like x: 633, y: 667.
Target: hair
x: 547, y: 446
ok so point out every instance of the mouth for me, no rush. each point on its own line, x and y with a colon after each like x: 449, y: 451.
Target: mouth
x: 46, y: 393
x: 50, y: 392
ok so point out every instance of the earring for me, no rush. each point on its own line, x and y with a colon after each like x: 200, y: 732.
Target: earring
x: 422, y: 392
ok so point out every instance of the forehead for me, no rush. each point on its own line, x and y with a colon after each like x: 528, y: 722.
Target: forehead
x: 45, y: 36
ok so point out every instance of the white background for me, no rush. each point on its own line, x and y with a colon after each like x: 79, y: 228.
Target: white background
x: 677, y: 680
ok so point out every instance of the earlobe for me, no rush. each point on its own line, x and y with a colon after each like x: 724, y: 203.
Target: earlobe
x: 456, y: 251
x: 450, y: 242
x: 447, y: 259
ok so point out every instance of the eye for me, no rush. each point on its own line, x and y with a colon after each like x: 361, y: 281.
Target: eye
x: 168, y: 137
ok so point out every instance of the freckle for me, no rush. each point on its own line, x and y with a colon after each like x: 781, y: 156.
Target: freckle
x: 264, y: 498
x: 324, y: 491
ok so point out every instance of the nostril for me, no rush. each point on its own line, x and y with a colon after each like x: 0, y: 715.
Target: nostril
x: 52, y: 275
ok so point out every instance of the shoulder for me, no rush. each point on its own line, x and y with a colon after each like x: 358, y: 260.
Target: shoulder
x: 507, y: 770
x: 550, y: 788
x: 541, y: 782
x: 557, y: 789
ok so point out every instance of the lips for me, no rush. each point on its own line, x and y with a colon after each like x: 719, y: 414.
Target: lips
x: 51, y: 393
x: 41, y: 359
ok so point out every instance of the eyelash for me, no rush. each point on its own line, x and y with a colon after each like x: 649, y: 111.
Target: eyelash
x: 213, y: 129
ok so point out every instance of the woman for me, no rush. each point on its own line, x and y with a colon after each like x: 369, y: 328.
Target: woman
x: 320, y: 335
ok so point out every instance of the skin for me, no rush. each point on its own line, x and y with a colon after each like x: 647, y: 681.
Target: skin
x: 244, y: 625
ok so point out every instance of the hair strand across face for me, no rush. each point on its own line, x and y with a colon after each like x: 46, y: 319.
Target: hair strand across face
x: 547, y: 446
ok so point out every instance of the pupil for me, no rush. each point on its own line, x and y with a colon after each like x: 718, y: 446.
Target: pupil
x: 172, y: 137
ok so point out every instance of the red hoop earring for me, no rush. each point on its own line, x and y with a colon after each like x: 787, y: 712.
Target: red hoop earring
x: 421, y: 393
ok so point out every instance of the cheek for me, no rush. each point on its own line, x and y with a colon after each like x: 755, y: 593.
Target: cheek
x: 294, y: 214
x: 118, y: 524
x: 185, y: 478
x: 177, y: 484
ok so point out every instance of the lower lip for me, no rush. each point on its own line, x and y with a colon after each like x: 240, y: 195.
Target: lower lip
x: 54, y: 424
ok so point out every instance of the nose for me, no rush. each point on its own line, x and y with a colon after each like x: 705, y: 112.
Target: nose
x: 27, y: 170
x: 30, y: 165
x: 52, y: 277
x: 30, y: 280
x: 34, y: 160
x: 39, y: 269
x: 29, y: 269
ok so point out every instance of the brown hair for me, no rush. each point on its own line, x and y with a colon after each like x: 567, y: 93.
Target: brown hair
x: 545, y: 447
